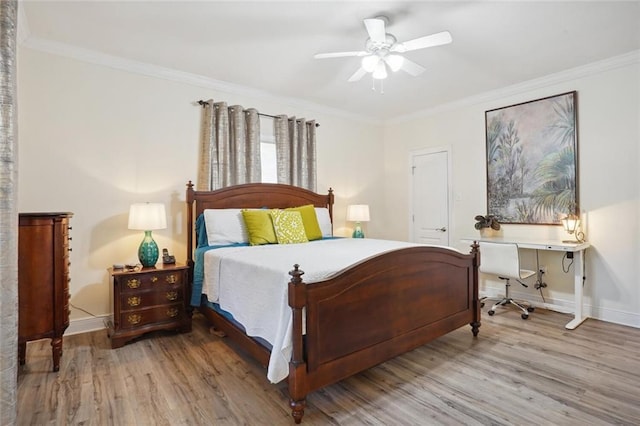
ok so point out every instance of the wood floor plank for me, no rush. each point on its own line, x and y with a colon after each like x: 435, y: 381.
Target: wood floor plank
x: 515, y: 372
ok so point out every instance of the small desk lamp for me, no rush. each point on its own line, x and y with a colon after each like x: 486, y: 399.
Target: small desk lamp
x: 358, y: 213
x: 147, y: 217
x: 571, y: 224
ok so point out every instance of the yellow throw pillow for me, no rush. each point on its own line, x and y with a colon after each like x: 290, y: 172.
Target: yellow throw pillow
x: 310, y: 221
x: 259, y: 227
x: 288, y: 226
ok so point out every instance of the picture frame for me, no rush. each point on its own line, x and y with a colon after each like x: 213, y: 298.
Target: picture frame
x: 532, y: 160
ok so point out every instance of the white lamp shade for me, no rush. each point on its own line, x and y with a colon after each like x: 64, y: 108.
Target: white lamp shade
x: 369, y: 62
x: 380, y: 71
x: 358, y: 213
x: 147, y: 216
x: 395, y: 62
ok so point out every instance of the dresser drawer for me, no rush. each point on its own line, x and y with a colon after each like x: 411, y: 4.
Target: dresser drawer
x: 140, y: 317
x: 155, y: 280
x: 143, y: 299
x: 149, y: 299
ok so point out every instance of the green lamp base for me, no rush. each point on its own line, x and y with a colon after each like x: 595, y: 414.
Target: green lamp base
x: 148, y: 251
x: 357, y: 233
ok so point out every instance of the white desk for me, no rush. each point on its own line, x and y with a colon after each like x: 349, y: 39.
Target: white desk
x: 577, y: 248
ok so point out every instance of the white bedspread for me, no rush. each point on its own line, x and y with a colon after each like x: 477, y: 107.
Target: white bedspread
x: 251, y: 283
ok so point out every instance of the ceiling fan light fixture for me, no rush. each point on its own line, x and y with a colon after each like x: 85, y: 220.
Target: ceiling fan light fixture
x: 380, y: 73
x: 369, y: 63
x: 394, y: 61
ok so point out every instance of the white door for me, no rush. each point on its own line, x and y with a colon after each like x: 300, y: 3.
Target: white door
x: 430, y: 197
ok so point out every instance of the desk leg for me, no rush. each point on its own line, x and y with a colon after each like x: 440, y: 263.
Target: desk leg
x: 578, y: 274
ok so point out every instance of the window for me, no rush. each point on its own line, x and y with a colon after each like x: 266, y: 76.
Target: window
x: 268, y: 159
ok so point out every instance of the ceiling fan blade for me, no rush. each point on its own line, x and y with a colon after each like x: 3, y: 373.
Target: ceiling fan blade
x: 357, y: 75
x: 432, y: 40
x: 412, y: 68
x: 375, y: 28
x: 339, y: 54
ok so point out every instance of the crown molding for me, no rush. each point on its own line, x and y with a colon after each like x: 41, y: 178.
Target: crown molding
x: 94, y: 57
x: 156, y: 71
x: 538, y: 83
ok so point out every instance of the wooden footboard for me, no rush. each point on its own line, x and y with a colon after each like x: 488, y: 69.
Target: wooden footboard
x: 376, y: 310
x: 369, y: 313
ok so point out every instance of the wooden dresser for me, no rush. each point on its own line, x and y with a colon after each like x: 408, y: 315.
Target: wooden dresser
x: 43, y: 280
x: 149, y: 299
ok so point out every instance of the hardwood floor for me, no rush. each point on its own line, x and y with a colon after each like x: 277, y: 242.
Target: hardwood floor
x: 515, y: 373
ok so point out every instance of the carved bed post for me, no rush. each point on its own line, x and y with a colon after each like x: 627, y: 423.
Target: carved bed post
x: 190, y: 228
x: 330, y: 204
x: 297, y: 365
x: 475, y: 324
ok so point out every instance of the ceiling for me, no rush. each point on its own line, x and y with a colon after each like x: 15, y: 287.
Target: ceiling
x: 268, y: 46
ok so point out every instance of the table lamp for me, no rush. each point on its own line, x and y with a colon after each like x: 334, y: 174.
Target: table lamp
x: 358, y: 213
x: 571, y: 224
x: 147, y: 217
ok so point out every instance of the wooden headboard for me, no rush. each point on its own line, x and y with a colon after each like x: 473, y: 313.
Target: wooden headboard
x: 250, y: 196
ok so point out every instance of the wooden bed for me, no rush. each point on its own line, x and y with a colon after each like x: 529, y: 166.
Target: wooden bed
x: 371, y: 312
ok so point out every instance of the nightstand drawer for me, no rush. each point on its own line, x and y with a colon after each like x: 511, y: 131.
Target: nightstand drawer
x: 160, y: 314
x: 137, y: 282
x: 149, y: 299
x: 144, y: 299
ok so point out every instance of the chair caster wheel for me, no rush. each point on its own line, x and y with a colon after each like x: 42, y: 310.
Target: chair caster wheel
x: 530, y: 309
x: 491, y: 313
x: 524, y: 316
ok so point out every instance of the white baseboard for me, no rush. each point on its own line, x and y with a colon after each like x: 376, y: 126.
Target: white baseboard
x: 85, y: 325
x: 565, y: 306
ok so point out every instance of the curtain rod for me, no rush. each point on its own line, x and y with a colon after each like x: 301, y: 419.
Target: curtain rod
x: 203, y: 103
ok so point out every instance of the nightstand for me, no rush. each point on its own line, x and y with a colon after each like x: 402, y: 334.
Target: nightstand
x: 149, y: 299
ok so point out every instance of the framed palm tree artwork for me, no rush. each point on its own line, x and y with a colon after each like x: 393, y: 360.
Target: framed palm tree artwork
x: 532, y: 160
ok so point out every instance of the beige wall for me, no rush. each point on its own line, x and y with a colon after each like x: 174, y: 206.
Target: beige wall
x: 609, y: 184
x: 94, y: 139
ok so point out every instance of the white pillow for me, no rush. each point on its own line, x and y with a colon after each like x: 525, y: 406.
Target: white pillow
x: 225, y: 226
x: 324, y: 220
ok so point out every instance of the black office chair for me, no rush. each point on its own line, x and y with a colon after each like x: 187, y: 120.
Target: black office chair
x: 503, y: 260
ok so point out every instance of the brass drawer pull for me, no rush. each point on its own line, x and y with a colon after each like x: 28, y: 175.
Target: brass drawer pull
x: 134, y: 319
x: 133, y: 301
x: 172, y: 295
x: 133, y: 283
x: 172, y: 313
x: 154, y: 279
x: 172, y: 279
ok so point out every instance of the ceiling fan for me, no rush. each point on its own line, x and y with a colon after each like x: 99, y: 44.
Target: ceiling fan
x: 383, y: 50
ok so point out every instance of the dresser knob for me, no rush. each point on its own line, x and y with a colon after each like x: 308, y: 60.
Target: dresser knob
x: 154, y: 279
x: 133, y: 301
x: 69, y: 238
x: 172, y: 295
x: 133, y: 283
x: 172, y: 313
x: 172, y: 279
x: 70, y: 249
x: 134, y: 319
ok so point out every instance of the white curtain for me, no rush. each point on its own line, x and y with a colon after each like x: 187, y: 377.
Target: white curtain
x: 229, y: 146
x: 8, y: 213
x: 296, y: 151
